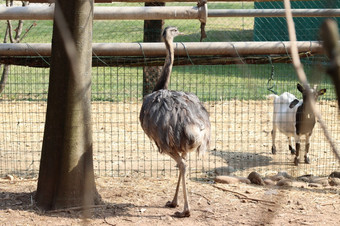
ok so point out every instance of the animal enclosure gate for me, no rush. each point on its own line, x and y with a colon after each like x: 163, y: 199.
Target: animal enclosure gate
x: 235, y: 95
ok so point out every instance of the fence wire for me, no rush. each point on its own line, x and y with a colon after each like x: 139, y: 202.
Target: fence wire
x: 235, y: 96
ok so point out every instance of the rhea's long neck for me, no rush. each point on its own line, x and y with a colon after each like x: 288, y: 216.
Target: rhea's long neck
x: 164, y: 79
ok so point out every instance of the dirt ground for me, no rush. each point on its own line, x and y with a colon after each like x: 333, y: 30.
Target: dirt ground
x: 140, y: 201
x: 240, y: 139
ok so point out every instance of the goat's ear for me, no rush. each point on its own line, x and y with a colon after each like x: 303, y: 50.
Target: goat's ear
x: 293, y: 103
x: 300, y: 88
x: 321, y: 92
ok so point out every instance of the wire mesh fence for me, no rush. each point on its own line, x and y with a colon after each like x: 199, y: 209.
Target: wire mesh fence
x: 236, y: 97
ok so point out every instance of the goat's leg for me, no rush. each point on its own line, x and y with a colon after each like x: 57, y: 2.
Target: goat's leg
x: 297, y: 147
x: 273, y: 139
x: 307, y: 149
x: 291, y: 149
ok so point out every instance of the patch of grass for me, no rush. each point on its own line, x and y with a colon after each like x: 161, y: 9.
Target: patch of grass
x: 228, y: 29
x: 208, y: 82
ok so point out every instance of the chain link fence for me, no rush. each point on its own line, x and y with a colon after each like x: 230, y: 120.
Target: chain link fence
x: 235, y: 95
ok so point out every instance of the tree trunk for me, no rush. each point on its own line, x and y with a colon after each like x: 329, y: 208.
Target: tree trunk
x: 66, y: 176
x: 4, y: 76
x: 152, y: 33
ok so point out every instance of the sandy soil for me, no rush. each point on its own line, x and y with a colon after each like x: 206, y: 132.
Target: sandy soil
x: 140, y: 201
x: 141, y: 180
x: 240, y: 139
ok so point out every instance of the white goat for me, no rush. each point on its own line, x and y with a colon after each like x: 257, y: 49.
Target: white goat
x: 294, y: 118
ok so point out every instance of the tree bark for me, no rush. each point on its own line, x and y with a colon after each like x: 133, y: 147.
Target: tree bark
x: 66, y: 176
x: 4, y: 76
x: 152, y: 33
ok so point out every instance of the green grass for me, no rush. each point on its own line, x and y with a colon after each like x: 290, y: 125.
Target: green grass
x: 218, y: 29
x: 210, y: 83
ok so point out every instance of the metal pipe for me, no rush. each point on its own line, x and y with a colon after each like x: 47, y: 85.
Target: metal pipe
x: 27, y: 13
x: 157, y: 13
x: 273, y: 13
x: 146, y: 13
x: 104, y: 13
x: 158, y: 49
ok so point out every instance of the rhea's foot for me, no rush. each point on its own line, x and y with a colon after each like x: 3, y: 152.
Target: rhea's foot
x: 171, y: 204
x: 182, y: 214
x: 296, y: 161
x: 273, y: 150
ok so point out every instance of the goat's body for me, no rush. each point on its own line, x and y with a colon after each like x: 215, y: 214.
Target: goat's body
x: 176, y: 121
x: 284, y: 116
x: 295, y: 118
x: 287, y: 118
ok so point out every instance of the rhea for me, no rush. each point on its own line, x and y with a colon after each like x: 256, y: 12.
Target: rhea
x: 176, y: 121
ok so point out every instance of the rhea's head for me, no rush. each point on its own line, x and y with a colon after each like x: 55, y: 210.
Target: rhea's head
x: 169, y: 33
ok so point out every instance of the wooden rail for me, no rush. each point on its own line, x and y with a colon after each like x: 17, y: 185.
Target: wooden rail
x: 133, y: 1
x: 158, y: 49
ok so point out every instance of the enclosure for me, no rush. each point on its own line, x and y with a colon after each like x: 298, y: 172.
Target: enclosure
x: 235, y: 92
x: 252, y: 60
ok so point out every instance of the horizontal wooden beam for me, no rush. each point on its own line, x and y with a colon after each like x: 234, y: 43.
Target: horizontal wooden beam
x: 158, y: 49
x: 132, y: 1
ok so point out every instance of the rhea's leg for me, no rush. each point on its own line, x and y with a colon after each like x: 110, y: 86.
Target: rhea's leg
x: 307, y: 149
x: 174, y: 202
x: 186, y: 212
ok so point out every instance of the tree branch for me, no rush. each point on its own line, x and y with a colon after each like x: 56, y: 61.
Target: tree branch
x: 302, y: 76
x: 4, y: 77
x: 243, y: 196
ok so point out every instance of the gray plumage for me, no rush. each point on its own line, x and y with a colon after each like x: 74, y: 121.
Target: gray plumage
x: 176, y: 121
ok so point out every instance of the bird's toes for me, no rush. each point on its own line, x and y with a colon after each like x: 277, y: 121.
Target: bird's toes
x: 171, y: 204
x: 183, y: 214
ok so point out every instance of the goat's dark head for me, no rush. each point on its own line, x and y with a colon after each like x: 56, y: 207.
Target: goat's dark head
x: 315, y: 93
